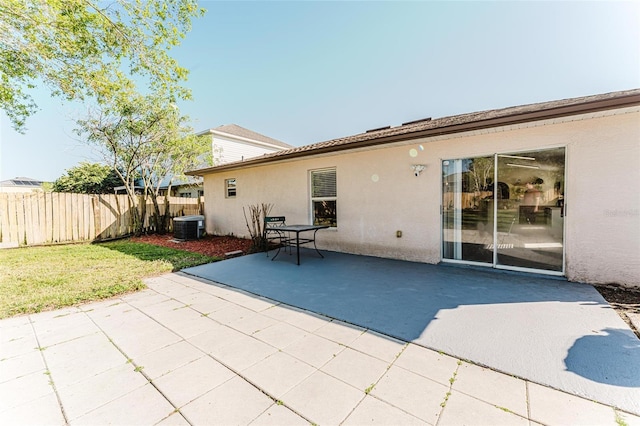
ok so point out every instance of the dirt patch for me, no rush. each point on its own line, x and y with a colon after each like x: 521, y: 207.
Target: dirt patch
x: 624, y: 301
x: 209, y: 245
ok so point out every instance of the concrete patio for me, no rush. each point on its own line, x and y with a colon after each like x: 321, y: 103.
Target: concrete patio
x: 191, y: 351
x: 559, y: 334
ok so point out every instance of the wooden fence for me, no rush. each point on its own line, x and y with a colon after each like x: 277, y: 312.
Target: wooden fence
x: 48, y: 218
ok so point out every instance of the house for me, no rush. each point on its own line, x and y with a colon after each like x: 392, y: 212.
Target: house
x: 228, y: 143
x: 550, y: 188
x: 234, y: 143
x: 21, y: 184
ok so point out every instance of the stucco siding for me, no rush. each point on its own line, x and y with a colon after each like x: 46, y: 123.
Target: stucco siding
x: 378, y: 193
x: 603, y: 226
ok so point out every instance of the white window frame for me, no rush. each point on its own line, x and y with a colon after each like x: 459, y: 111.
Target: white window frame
x: 313, y: 199
x: 228, y: 187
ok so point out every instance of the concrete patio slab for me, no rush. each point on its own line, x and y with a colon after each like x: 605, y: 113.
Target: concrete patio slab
x: 278, y: 373
x: 305, y: 320
x: 197, y: 380
x: 323, y: 398
x: 253, y: 324
x: 355, y: 368
x: 549, y: 407
x: 235, y: 402
x: 43, y: 411
x: 372, y: 411
x: 379, y: 346
x: 191, y: 381
x: 278, y: 415
x: 417, y: 395
x: 175, y: 419
x: 151, y: 408
x: 542, y: 329
x: 507, y: 392
x: 314, y: 350
x: 465, y: 410
x: 169, y: 358
x: 436, y: 366
x: 112, y: 384
x: 277, y: 334
x: 38, y: 384
x: 21, y: 365
x: 242, y: 352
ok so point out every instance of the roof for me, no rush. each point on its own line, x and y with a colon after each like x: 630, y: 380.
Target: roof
x: 235, y: 130
x: 22, y: 181
x: 447, y: 125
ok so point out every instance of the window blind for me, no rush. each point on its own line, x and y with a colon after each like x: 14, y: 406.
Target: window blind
x: 323, y: 183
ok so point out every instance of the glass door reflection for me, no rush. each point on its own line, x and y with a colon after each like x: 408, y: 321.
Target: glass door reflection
x: 505, y: 210
x: 535, y: 210
x: 466, y: 209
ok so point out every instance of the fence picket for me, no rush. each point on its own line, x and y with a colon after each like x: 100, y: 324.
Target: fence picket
x: 48, y: 222
x: 4, y: 218
x: 20, y: 220
x: 76, y: 218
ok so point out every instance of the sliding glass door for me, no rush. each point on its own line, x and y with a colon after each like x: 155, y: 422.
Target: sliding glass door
x: 506, y: 210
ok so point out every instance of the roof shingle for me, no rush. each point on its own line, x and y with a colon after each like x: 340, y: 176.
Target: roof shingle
x: 449, y: 125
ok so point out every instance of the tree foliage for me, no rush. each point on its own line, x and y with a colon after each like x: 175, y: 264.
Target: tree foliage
x: 146, y: 138
x: 88, y: 178
x: 84, y: 49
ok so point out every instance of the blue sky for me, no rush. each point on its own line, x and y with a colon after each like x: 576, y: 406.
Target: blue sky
x: 306, y: 72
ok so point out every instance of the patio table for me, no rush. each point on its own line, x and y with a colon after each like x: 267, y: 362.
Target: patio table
x: 297, y: 229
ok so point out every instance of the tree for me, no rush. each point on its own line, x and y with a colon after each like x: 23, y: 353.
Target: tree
x: 88, y: 178
x: 85, y: 49
x: 146, y: 137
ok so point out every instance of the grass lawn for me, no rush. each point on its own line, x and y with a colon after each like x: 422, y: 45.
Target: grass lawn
x: 35, y: 279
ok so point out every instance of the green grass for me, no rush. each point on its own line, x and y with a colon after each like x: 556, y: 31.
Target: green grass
x: 35, y: 279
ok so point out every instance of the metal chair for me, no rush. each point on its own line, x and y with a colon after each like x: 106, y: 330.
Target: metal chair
x: 273, y: 235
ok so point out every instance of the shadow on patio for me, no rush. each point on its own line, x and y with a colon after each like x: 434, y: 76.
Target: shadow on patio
x: 534, y: 327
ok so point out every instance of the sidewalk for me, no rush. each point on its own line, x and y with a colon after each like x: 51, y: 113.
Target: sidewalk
x: 187, y: 351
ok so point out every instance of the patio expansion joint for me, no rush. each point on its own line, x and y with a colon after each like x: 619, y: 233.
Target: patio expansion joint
x: 48, y: 372
x: 367, y: 392
x: 452, y: 380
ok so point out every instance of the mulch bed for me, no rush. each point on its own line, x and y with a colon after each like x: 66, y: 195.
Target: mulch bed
x: 209, y: 245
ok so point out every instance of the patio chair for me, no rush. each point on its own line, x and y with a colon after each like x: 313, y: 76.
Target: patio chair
x: 279, y: 238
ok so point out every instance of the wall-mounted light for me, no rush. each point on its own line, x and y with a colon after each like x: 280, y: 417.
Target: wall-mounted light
x: 417, y: 169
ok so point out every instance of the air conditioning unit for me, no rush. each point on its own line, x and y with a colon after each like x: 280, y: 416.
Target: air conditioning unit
x: 188, y: 227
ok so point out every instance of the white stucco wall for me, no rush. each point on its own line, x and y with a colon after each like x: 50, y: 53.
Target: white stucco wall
x: 378, y: 193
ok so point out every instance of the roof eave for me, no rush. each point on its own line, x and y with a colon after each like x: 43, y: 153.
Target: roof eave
x: 510, y: 119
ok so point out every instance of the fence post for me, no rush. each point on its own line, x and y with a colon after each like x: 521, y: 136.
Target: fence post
x: 97, y: 223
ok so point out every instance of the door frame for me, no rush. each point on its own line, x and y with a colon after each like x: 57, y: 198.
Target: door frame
x: 494, y: 264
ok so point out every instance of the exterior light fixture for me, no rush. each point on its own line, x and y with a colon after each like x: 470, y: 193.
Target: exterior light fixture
x: 417, y: 169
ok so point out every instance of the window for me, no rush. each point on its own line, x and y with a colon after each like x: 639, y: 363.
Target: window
x: 230, y: 188
x: 323, y: 197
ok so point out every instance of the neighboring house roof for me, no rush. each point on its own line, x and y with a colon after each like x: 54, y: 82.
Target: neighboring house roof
x: 22, y: 182
x: 164, y: 184
x: 238, y: 131
x: 447, y: 125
